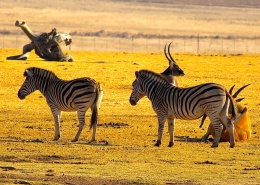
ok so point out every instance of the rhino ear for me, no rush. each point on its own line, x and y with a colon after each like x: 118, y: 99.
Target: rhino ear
x: 28, y: 73
x: 136, y: 74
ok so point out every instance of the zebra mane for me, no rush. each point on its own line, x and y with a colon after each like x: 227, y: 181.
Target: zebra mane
x: 157, y: 77
x: 39, y: 72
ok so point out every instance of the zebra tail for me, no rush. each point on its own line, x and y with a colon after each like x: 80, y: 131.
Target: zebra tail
x: 233, y: 104
x: 95, y: 107
x: 94, y: 116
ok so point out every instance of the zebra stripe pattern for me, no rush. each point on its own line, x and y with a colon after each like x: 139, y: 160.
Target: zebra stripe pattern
x: 170, y: 102
x: 61, y: 95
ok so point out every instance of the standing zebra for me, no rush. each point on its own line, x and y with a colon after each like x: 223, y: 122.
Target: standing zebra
x: 61, y: 95
x: 170, y: 102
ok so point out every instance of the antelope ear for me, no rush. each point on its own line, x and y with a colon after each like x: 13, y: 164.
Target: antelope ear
x: 28, y: 73
x: 136, y: 74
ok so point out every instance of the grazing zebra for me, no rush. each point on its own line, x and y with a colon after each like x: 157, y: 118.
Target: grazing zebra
x: 170, y: 102
x: 242, y: 125
x: 234, y: 97
x: 61, y: 95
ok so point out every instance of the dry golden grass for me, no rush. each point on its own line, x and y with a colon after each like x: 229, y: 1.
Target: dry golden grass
x: 28, y: 154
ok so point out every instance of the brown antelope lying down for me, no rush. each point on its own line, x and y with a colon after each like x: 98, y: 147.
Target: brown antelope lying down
x: 242, y: 126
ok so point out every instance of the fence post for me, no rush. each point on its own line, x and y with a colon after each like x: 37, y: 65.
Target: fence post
x: 132, y: 44
x: 159, y: 48
x: 222, y: 44
x: 184, y: 44
x: 94, y: 43
x: 234, y: 45
x: 198, y: 43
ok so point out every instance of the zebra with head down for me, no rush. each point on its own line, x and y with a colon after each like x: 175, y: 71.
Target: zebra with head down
x: 170, y: 102
x: 61, y: 95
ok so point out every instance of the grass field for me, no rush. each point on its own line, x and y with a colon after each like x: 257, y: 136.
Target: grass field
x: 124, y: 151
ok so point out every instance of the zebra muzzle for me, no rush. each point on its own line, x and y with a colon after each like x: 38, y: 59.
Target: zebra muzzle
x: 20, y: 96
x: 132, y: 102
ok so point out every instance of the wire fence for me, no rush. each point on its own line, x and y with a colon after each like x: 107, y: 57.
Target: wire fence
x: 183, y: 44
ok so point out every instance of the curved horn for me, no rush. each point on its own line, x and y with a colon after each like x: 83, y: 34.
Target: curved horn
x: 231, y: 89
x: 239, y: 100
x: 170, y: 53
x: 239, y: 90
x: 166, y: 53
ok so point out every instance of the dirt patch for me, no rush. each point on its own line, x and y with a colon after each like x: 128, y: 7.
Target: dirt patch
x: 7, y: 168
x: 205, y: 162
x: 113, y: 125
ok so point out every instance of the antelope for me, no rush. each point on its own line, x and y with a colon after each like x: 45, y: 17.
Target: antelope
x: 173, y: 69
x: 242, y: 126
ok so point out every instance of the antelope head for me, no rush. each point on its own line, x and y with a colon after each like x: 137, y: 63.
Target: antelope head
x: 173, y: 69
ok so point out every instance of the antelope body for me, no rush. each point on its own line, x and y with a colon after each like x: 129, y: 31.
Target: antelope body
x: 242, y: 126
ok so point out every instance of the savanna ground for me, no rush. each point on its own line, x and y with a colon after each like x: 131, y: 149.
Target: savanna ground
x: 124, y: 151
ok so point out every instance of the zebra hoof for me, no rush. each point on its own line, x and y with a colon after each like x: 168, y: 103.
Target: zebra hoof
x: 74, y: 140
x: 158, y: 143
x: 92, y: 141
x: 171, y: 144
x: 56, y: 138
x: 232, y: 145
x: 214, y: 145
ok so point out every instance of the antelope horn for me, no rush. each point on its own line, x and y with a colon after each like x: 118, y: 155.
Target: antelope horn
x: 170, y: 53
x: 231, y: 89
x: 166, y: 53
x: 239, y: 90
x: 239, y: 99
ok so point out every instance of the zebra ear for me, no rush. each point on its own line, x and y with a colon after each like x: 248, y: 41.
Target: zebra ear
x: 28, y: 73
x: 136, y: 74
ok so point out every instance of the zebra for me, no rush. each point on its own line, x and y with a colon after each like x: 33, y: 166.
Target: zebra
x: 170, y: 102
x: 61, y: 95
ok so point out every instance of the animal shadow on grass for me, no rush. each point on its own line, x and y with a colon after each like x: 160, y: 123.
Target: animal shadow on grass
x: 95, y: 143
x: 18, y: 139
x: 187, y: 139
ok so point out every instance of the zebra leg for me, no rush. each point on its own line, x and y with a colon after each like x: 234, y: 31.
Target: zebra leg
x: 210, y: 131
x: 171, y: 125
x: 218, y: 127
x: 57, y: 116
x: 81, y: 118
x: 161, y: 122
x: 205, y: 137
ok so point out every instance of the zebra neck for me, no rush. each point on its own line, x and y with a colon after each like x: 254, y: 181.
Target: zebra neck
x: 43, y: 87
x: 156, y: 89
